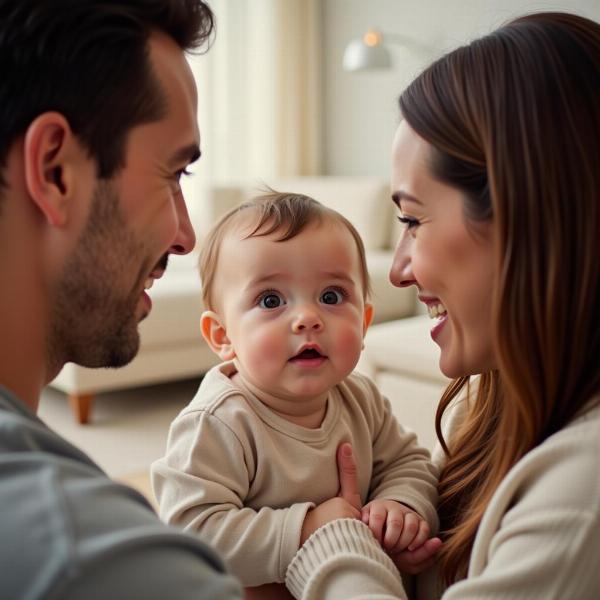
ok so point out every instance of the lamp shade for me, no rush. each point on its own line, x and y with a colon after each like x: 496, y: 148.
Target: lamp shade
x: 367, y: 53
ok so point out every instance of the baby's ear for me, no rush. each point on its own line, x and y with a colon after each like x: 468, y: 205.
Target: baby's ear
x: 215, y: 334
x: 367, y: 317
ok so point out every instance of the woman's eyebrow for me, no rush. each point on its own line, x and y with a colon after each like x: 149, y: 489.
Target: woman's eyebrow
x: 400, y: 195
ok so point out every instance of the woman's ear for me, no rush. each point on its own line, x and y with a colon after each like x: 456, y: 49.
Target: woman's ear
x: 53, y: 159
x: 215, y: 334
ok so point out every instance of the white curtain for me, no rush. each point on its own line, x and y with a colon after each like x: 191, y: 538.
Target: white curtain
x: 259, y: 91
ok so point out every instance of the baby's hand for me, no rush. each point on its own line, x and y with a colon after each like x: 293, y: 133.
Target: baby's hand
x: 395, y: 526
x: 402, y: 533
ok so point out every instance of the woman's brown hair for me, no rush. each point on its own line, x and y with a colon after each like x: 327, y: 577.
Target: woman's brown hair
x: 514, y: 122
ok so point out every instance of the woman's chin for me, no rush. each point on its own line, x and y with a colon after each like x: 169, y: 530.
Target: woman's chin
x: 449, y: 369
x: 453, y: 368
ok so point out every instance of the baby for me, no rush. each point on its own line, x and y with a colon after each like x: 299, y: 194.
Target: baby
x: 250, y: 462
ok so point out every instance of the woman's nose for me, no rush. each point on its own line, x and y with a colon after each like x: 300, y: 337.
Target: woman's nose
x: 307, y: 319
x: 401, y: 273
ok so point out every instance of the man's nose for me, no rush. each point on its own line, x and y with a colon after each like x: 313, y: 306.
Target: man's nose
x: 185, y: 240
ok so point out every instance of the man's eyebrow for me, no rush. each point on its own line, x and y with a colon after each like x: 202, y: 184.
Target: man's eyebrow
x: 187, y: 155
x: 400, y: 195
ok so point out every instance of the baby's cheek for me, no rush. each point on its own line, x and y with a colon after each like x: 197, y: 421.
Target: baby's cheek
x: 350, y: 343
x: 268, y: 347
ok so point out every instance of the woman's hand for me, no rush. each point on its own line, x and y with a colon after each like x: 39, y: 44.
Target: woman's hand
x: 347, y: 504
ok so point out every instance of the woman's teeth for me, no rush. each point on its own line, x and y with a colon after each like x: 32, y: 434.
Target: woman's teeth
x: 436, y: 310
x: 148, y: 283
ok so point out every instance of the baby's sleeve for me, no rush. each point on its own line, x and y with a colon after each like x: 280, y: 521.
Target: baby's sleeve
x: 402, y: 469
x: 201, y: 485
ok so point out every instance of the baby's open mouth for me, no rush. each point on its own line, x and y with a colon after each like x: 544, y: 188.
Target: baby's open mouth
x: 309, y: 353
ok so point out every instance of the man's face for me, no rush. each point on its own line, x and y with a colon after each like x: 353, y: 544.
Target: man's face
x: 135, y: 221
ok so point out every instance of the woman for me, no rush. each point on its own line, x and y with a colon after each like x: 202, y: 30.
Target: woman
x: 496, y: 174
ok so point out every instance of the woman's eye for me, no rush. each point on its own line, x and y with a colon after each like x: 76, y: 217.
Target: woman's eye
x: 270, y: 300
x: 408, y: 222
x: 332, y: 297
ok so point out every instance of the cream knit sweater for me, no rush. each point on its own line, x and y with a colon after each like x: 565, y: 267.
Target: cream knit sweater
x: 539, y: 538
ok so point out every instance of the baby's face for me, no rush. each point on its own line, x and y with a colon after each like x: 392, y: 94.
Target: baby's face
x: 294, y: 311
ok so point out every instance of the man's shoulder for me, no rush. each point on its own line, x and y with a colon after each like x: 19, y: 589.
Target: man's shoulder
x: 63, y: 519
x: 50, y: 493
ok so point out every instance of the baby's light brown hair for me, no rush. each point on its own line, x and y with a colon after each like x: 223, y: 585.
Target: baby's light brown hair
x: 273, y: 211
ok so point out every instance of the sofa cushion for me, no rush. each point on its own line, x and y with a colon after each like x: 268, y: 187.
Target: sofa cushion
x: 388, y: 301
x: 404, y: 347
x: 176, y: 306
x: 364, y: 201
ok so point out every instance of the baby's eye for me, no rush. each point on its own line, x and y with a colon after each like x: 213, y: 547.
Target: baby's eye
x: 332, y: 297
x: 270, y: 300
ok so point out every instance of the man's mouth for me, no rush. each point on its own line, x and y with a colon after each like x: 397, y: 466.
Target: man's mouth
x: 157, y: 272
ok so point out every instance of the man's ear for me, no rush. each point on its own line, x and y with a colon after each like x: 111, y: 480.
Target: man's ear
x: 367, y: 317
x: 215, y: 334
x: 52, y: 159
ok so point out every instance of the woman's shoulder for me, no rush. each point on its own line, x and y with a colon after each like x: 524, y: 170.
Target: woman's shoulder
x: 562, y: 471
x: 558, y: 477
x: 549, y: 498
x: 567, y: 462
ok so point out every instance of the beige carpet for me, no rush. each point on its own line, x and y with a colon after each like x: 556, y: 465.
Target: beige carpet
x: 128, y: 428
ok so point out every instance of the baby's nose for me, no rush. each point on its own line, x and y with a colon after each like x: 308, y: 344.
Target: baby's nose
x: 307, y: 319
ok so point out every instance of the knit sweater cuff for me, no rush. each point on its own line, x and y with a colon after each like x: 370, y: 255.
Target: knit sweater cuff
x: 343, y: 545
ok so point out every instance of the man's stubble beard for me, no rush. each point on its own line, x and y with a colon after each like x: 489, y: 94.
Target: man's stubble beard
x: 93, y: 322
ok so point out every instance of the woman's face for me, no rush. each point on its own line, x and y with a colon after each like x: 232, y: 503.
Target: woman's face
x: 448, y: 259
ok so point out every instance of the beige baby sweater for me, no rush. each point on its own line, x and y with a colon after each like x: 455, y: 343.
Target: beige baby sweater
x: 539, y: 538
x: 243, y: 477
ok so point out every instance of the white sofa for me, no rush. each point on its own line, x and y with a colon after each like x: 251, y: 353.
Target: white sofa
x: 171, y: 344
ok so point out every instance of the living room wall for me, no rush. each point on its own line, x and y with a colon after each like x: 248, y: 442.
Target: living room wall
x: 359, y: 109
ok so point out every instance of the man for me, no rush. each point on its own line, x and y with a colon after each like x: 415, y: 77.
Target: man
x: 97, y: 124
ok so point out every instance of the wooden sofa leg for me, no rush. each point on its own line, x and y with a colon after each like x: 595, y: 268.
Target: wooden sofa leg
x: 81, y: 405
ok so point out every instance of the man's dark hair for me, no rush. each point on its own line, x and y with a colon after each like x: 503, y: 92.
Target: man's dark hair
x: 89, y: 61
